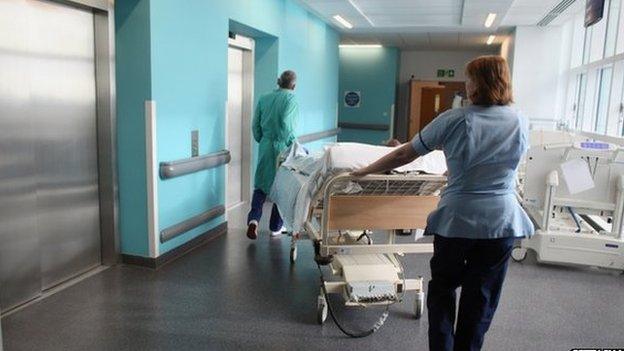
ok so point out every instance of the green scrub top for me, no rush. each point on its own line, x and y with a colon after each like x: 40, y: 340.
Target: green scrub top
x: 274, y: 129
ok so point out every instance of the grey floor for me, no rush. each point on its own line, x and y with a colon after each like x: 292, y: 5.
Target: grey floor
x: 235, y: 294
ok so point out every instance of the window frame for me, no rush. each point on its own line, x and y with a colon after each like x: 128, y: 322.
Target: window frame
x: 590, y: 102
x: 599, y: 96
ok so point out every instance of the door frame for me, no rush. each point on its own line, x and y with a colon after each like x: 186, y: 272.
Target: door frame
x: 247, y: 45
x: 104, y: 32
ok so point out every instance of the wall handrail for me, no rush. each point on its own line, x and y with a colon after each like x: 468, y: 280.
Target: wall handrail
x: 366, y: 126
x: 191, y: 223
x: 181, y: 167
x: 318, y: 135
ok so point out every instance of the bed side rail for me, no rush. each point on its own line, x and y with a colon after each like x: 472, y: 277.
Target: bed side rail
x: 377, y: 193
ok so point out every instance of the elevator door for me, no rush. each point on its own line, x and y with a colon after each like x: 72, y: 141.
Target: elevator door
x: 234, y: 127
x: 49, y: 204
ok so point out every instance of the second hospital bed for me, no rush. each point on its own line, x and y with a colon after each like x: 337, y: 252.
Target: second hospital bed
x: 342, y: 212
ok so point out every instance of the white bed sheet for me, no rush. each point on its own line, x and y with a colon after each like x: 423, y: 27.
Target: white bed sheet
x: 350, y: 156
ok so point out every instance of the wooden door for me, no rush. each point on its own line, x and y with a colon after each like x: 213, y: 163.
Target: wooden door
x: 450, y: 88
x: 415, y: 102
x: 431, y: 105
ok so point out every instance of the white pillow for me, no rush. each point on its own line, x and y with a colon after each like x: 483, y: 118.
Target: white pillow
x: 356, y: 155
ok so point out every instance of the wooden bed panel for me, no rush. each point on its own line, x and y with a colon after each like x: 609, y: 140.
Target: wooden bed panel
x: 380, y: 212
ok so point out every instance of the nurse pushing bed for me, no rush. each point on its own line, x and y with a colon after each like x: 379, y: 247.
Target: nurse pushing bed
x: 478, y: 216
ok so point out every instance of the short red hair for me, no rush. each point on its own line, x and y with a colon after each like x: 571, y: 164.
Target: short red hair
x: 491, y: 81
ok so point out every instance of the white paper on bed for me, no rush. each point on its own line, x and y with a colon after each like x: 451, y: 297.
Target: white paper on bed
x: 350, y: 156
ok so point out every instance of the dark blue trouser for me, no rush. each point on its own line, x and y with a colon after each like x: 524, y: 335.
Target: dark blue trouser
x: 478, y: 267
x: 258, y: 199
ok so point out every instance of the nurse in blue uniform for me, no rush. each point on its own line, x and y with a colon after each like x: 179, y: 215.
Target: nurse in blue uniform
x: 478, y: 217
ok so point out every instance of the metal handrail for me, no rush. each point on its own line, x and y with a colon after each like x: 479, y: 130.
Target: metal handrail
x: 366, y: 126
x: 191, y: 223
x: 185, y: 166
x: 318, y: 135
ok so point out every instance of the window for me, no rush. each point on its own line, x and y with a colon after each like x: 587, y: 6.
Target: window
x: 598, y: 35
x: 579, y: 101
x: 613, y: 24
x: 621, y: 111
x: 602, y: 102
x: 595, y: 79
x: 587, y: 45
x: 578, y: 40
x: 620, y: 35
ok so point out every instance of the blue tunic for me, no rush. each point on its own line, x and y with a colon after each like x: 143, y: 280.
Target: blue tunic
x: 483, y: 146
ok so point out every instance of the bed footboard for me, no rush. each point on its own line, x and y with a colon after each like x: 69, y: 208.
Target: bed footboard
x: 384, y: 212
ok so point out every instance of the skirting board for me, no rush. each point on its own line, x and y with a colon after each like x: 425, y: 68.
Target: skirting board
x: 178, y: 252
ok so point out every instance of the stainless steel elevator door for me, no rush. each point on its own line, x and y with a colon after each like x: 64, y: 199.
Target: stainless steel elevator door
x: 49, y: 203
x: 234, y: 127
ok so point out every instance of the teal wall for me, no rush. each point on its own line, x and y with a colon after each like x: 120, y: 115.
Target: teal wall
x: 133, y: 62
x: 188, y: 62
x: 373, y: 72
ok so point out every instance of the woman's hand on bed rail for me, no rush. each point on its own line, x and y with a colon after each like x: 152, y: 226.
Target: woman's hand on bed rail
x: 358, y: 173
x: 397, y: 158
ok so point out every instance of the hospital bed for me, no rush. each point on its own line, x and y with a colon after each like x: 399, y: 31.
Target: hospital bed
x: 340, y: 222
x: 574, y: 228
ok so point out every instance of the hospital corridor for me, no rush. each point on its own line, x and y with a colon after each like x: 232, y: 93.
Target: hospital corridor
x: 311, y: 175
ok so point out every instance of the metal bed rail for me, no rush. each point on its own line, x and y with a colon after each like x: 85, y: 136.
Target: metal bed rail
x: 376, y: 185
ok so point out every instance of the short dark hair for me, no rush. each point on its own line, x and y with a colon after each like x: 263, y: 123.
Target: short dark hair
x: 491, y: 80
x: 287, y: 80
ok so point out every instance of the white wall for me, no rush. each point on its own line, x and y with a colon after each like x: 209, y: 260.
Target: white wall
x: 424, y: 64
x: 507, y: 49
x: 537, y: 72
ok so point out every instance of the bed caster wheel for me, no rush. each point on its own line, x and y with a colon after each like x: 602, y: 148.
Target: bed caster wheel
x: 293, y: 254
x: 419, y: 305
x: 518, y: 253
x: 321, y: 310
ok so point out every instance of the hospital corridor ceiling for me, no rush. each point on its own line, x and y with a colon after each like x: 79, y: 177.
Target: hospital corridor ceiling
x: 435, y: 24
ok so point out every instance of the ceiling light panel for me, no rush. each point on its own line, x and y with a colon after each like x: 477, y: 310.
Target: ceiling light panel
x: 489, y: 20
x: 343, y: 22
x: 476, y: 11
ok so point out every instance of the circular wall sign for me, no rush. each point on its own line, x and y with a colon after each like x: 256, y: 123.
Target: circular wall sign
x: 352, y: 99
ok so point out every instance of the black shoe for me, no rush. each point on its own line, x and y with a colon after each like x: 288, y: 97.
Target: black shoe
x: 252, y: 231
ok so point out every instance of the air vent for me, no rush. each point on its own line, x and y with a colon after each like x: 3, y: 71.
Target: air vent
x: 555, y: 12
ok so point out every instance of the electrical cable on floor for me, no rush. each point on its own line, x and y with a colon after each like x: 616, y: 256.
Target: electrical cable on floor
x: 363, y: 334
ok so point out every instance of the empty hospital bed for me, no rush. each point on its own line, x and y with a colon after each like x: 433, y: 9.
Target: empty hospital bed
x: 342, y: 211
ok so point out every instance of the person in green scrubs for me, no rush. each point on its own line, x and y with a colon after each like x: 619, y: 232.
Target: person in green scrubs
x: 274, y: 129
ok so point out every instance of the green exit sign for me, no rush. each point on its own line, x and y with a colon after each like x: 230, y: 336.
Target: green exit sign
x: 441, y: 73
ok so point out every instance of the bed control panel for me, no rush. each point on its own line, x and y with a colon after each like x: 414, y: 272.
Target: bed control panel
x: 371, y: 291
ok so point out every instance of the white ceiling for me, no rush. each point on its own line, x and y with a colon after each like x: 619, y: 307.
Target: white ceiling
x: 431, y: 24
x: 529, y: 12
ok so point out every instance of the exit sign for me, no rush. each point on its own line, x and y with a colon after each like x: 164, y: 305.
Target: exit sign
x: 441, y: 73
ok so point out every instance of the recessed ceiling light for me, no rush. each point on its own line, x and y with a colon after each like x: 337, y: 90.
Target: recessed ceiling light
x: 489, y: 20
x: 343, y: 21
x: 360, y: 46
x: 358, y: 9
x: 491, y: 39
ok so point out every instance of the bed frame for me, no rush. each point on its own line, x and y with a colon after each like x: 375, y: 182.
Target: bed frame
x: 336, y: 222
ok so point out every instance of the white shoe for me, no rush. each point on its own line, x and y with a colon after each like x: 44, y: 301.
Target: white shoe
x: 276, y: 234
